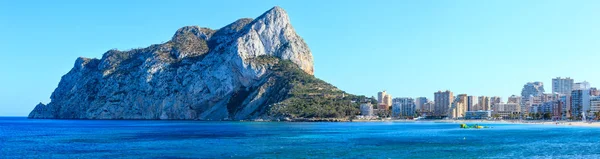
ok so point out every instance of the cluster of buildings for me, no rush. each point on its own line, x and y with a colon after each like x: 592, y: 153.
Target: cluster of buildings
x: 390, y: 107
x: 567, y: 101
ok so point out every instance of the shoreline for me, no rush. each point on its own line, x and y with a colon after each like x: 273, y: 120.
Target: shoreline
x: 532, y: 122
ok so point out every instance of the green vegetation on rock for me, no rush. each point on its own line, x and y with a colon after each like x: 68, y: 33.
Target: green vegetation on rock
x: 308, y: 96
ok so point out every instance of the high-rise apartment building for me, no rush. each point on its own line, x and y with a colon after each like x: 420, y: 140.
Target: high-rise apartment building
x: 384, y: 100
x: 459, y: 106
x: 471, y: 102
x: 582, y: 86
x: 594, y: 104
x: 565, y: 106
x: 508, y: 107
x: 580, y: 103
x: 380, y: 96
x: 387, y: 100
x: 494, y: 101
x: 483, y: 104
x: 420, y: 102
x: 528, y: 94
x: 580, y: 100
x: 562, y: 85
x: 514, y: 99
x: 594, y: 91
x: 443, y: 102
x: 403, y: 107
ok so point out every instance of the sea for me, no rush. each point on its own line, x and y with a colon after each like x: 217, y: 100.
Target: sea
x: 37, y: 138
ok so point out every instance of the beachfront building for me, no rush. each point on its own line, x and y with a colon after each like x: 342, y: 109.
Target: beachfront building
x: 595, y: 104
x: 483, y: 104
x: 514, y: 99
x: 557, y: 110
x: 427, y: 109
x: 403, y: 107
x: 478, y: 114
x: 471, y: 102
x: 509, y: 107
x: 420, y: 102
x: 535, y: 108
x: 582, y: 86
x: 594, y: 91
x: 384, y: 99
x: 562, y: 86
x: 549, y: 97
x: 530, y: 94
x: 366, y: 109
x: 565, y: 106
x: 580, y: 100
x: 443, y: 102
x: 380, y: 96
x: 459, y: 107
x: 548, y: 106
x: 396, y: 110
x: 505, y: 114
x: 495, y: 100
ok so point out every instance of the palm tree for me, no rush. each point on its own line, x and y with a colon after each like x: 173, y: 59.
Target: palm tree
x: 496, y: 116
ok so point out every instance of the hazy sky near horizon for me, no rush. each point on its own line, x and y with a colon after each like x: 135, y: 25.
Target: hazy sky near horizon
x: 409, y: 48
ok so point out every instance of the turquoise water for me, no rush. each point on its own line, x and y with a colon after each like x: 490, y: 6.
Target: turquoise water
x: 28, y: 138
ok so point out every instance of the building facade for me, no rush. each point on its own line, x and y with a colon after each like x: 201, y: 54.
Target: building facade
x: 443, y: 102
x: 403, y: 107
x: 514, y: 99
x: 420, y: 102
x: 531, y: 92
x: 580, y: 103
x: 459, y: 107
x: 383, y: 98
x: 471, y: 102
x: 562, y: 85
x: 595, y: 104
x: 565, y: 106
x: 582, y: 86
x: 483, y: 104
x: 428, y: 108
x: 366, y: 109
x: 478, y: 114
x: 594, y: 91
x: 509, y: 107
x: 494, y: 101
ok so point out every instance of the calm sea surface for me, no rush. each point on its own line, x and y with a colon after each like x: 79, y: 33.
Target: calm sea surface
x: 28, y: 138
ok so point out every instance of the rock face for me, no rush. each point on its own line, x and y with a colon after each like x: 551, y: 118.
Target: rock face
x: 204, y: 74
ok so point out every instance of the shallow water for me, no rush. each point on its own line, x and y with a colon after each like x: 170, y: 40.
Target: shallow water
x: 29, y: 138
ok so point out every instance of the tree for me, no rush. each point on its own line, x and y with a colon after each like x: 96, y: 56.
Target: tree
x: 496, y: 116
x: 547, y: 116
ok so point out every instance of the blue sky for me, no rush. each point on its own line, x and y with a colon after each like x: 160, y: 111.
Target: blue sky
x: 410, y: 48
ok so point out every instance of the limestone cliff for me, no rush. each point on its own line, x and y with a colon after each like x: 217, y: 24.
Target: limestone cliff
x: 226, y: 74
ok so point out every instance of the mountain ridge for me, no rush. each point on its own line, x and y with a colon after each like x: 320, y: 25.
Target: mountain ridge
x: 200, y: 74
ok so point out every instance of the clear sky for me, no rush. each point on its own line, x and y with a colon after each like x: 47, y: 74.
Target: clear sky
x: 410, y: 48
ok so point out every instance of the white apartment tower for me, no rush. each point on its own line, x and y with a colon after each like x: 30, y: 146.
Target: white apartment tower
x: 562, y: 86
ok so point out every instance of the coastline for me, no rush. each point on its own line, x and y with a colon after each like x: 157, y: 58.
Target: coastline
x: 533, y: 122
